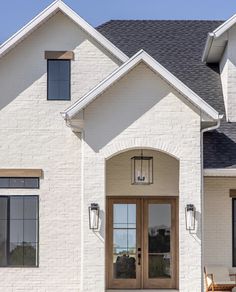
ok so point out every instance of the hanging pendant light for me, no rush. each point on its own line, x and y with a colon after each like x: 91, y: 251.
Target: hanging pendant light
x: 142, y: 170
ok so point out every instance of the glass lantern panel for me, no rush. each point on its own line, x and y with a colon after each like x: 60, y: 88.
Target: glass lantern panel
x: 190, y: 219
x: 142, y: 171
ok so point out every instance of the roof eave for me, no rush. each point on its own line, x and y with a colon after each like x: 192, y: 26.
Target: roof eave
x: 126, y: 67
x: 220, y: 172
x: 49, y: 11
x: 217, y: 33
x: 220, y: 30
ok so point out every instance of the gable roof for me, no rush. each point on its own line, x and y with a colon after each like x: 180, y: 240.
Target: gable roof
x: 141, y: 56
x: 51, y: 10
x: 178, y: 45
x: 175, y: 44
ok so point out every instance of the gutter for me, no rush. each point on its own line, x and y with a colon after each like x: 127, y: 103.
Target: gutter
x: 219, y: 172
x: 202, y: 192
x: 208, y: 45
x: 76, y: 125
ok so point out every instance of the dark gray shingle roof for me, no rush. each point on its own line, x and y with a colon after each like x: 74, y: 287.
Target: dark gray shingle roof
x: 178, y: 45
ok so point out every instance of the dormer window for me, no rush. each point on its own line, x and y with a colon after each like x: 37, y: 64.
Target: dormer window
x: 58, y: 75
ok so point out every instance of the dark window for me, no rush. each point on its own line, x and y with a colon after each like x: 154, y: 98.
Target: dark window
x: 18, y: 231
x: 234, y: 232
x: 58, y: 79
x: 19, y: 182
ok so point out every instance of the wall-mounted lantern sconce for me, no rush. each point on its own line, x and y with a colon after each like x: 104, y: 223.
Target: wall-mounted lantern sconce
x: 142, y: 170
x: 190, y: 214
x: 94, y: 216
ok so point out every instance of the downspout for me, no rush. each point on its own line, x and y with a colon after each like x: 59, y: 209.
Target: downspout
x: 202, y: 192
x: 77, y: 129
x: 208, y: 45
x: 82, y: 215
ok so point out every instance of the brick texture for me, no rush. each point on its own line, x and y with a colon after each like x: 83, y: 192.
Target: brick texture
x: 34, y: 135
x: 141, y: 111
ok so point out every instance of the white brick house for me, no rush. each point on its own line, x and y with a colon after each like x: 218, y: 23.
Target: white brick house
x: 82, y: 113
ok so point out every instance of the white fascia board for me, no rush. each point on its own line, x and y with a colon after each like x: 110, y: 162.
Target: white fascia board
x: 28, y: 28
x: 218, y: 32
x: 124, y: 69
x: 220, y: 172
x: 209, y: 41
x: 182, y: 88
x: 93, y: 32
x: 45, y: 15
x: 102, y: 86
x: 224, y: 26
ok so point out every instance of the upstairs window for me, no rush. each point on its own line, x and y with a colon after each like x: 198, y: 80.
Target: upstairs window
x: 18, y: 231
x: 58, y: 72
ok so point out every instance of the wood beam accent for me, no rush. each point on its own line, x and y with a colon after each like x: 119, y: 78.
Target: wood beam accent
x: 15, y: 172
x: 232, y: 193
x: 59, y: 55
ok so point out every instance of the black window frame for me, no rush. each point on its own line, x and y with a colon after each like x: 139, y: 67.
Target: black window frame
x: 8, y: 265
x: 20, y: 187
x: 59, y: 60
x: 233, y: 233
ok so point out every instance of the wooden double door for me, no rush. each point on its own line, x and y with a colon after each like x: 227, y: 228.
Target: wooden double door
x: 141, y: 243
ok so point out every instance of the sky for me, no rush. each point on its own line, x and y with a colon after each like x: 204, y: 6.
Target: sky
x: 16, y: 13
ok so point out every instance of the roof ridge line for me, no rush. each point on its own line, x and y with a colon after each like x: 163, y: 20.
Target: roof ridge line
x: 167, y: 20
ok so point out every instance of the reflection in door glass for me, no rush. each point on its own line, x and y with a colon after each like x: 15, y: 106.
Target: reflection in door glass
x: 159, y: 233
x: 124, y: 241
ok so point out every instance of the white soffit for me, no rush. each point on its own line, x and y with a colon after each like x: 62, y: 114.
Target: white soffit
x: 49, y: 12
x: 216, y: 41
x: 220, y: 172
x: 124, y: 69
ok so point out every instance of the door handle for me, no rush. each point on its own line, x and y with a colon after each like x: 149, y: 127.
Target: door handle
x: 139, y: 256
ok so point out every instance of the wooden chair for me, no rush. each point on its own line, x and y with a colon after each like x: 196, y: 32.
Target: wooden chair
x: 218, y: 278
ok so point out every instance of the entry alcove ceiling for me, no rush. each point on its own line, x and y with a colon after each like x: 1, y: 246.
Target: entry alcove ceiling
x: 165, y: 175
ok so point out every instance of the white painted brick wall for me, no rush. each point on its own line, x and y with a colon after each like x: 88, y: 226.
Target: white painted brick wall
x: 228, y: 75
x: 218, y: 221
x: 224, y: 74
x: 140, y: 111
x: 34, y: 135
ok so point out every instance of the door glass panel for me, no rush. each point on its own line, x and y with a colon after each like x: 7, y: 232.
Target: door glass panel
x: 3, y: 243
x: 124, y: 241
x: 159, y: 234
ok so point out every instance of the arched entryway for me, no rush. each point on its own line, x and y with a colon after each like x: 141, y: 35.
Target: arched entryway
x: 142, y: 222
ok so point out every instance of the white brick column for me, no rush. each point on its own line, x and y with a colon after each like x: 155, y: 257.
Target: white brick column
x: 190, y: 241
x: 93, y: 242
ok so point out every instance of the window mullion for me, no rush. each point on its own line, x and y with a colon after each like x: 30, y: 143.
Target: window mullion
x: 233, y: 232
x: 8, y: 231
x: 23, y: 235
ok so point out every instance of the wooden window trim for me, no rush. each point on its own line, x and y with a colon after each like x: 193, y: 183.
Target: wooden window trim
x: 232, y: 193
x: 14, y: 172
x: 59, y: 55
